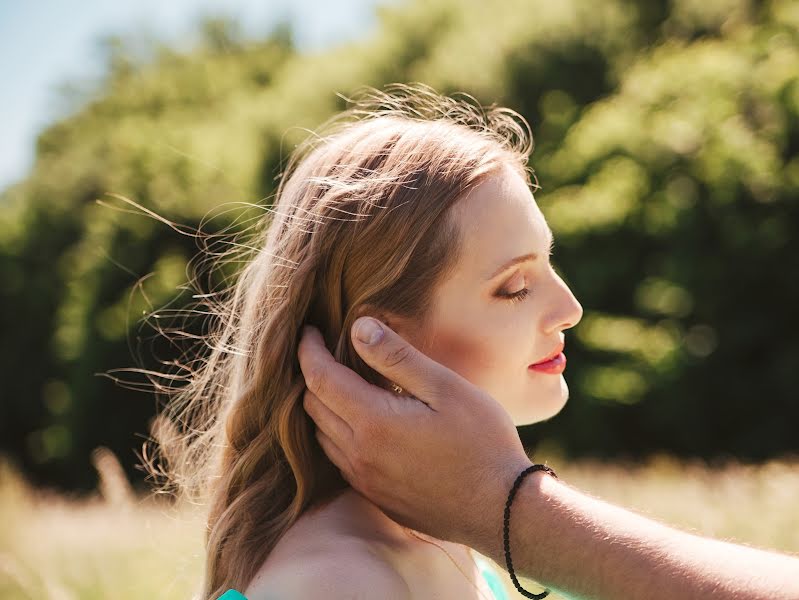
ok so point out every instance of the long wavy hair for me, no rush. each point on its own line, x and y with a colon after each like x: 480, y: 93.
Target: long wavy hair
x: 360, y: 224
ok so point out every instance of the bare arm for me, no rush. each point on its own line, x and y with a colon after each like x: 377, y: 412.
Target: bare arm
x: 445, y: 466
x: 588, y: 548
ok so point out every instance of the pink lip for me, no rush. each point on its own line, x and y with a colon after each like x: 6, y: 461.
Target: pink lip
x: 554, y: 366
x: 555, y: 363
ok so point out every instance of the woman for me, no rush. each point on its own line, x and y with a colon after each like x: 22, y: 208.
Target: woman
x: 417, y: 209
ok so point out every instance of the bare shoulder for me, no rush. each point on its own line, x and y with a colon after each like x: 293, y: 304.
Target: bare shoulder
x: 351, y: 570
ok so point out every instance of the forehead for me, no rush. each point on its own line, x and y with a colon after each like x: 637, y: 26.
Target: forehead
x: 499, y: 220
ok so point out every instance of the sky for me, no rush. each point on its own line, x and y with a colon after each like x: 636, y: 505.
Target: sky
x: 45, y: 43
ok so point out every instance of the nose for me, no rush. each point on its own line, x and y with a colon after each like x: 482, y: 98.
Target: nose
x: 565, y: 311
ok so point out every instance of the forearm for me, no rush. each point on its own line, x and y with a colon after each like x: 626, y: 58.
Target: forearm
x: 587, y: 548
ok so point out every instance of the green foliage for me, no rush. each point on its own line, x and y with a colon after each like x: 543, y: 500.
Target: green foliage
x: 666, y: 147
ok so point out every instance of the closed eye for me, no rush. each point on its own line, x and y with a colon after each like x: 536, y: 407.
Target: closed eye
x: 516, y: 296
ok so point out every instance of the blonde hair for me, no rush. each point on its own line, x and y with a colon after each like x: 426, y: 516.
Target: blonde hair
x: 360, y: 225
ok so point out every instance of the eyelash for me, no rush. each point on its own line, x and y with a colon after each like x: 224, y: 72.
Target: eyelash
x: 517, y: 296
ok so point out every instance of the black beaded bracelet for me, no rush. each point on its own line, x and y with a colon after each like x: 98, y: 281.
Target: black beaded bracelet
x: 506, y: 529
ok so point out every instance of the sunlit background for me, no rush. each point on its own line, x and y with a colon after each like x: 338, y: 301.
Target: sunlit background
x: 667, y: 150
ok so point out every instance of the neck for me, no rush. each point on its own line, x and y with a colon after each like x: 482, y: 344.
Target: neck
x: 356, y: 514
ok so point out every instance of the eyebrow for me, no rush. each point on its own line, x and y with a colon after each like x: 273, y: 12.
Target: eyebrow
x: 522, y: 258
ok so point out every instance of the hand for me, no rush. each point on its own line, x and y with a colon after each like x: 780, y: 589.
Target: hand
x: 441, y: 462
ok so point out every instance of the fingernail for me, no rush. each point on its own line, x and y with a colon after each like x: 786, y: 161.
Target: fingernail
x: 368, y: 331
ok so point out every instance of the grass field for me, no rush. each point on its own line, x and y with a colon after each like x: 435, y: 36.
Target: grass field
x: 121, y: 546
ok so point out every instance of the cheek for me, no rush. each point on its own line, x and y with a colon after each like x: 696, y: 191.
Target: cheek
x: 474, y: 356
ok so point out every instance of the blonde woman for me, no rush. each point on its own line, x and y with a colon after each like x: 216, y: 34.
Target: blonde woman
x: 415, y: 208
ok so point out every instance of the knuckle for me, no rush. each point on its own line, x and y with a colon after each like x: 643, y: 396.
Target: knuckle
x: 370, y: 478
x: 397, y: 355
x: 315, y: 380
x: 308, y: 401
x: 361, y: 468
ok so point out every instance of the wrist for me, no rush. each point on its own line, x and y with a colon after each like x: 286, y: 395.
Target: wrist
x: 487, y: 534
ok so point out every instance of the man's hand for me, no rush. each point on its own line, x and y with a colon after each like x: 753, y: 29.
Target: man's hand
x: 441, y: 462
x: 444, y: 466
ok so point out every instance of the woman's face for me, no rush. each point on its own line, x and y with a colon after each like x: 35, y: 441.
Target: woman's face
x: 477, y: 328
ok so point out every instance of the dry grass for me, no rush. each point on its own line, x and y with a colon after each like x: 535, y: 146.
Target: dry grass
x: 110, y: 546
x: 744, y: 503
x: 116, y: 545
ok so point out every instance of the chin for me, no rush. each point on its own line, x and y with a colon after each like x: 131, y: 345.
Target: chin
x: 543, y: 408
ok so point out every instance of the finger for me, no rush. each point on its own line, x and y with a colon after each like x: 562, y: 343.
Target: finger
x: 335, y: 455
x: 327, y: 421
x: 342, y: 390
x: 400, y: 362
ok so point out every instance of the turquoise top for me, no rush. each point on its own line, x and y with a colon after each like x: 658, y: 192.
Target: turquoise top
x: 486, y: 570
x: 491, y: 576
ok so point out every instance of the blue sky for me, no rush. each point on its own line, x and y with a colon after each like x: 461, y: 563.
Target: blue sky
x: 44, y: 43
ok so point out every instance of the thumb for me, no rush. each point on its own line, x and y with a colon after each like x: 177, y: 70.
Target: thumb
x: 389, y: 354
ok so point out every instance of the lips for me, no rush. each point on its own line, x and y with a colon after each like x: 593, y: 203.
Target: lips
x: 552, y: 355
x: 550, y: 367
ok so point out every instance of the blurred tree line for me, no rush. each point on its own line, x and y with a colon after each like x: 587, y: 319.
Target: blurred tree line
x: 667, y: 139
